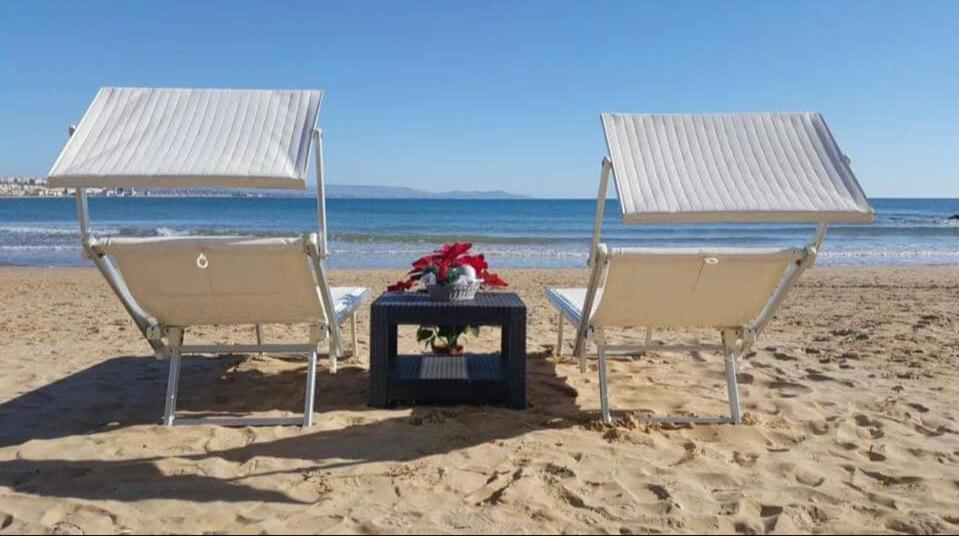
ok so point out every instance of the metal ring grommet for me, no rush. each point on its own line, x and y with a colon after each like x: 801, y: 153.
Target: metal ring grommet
x: 202, y: 262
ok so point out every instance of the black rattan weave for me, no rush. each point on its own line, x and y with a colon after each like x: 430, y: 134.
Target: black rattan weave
x: 474, y: 378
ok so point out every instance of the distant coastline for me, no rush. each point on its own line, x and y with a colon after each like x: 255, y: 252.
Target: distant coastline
x: 343, y: 191
x: 19, y: 187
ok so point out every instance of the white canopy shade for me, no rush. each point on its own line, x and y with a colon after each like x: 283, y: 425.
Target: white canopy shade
x: 190, y: 138
x: 759, y: 167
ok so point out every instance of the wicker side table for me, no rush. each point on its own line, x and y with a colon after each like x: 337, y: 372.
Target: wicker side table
x: 473, y: 378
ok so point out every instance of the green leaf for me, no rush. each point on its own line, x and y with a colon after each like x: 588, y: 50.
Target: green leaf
x: 448, y: 331
x: 425, y: 333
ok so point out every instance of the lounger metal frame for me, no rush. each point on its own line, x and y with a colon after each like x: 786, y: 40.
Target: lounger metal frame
x: 167, y: 341
x: 736, y: 341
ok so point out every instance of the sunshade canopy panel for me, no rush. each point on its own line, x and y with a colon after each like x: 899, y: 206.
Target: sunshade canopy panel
x: 191, y: 138
x: 757, y: 167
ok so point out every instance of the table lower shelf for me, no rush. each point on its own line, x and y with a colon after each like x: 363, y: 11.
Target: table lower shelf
x: 470, y: 367
x: 473, y: 378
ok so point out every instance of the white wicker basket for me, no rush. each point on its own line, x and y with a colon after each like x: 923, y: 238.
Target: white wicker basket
x: 453, y: 292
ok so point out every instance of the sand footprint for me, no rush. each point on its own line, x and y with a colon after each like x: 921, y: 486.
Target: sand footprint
x: 876, y: 454
x: 818, y: 376
x: 818, y: 427
x: 745, y: 459
x: 769, y: 516
x: 789, y: 389
x: 690, y: 453
x: 730, y: 501
x: 871, y: 427
x: 887, y: 480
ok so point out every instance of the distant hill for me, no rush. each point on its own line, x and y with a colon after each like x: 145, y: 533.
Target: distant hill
x: 343, y: 191
x: 36, y: 187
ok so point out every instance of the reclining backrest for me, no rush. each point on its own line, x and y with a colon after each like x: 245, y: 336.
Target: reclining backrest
x: 682, y: 287
x: 185, y: 281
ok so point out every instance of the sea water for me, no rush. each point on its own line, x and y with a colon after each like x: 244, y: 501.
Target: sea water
x: 390, y: 233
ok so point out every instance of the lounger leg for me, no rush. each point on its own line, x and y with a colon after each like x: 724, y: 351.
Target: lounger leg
x: 333, y: 359
x: 732, y: 385
x: 582, y: 356
x: 310, y: 389
x: 603, y: 390
x: 175, y: 341
x: 649, y: 344
x: 559, y: 336
x: 173, y: 382
x: 353, y: 331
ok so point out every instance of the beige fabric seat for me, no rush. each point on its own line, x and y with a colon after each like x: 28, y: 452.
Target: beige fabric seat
x: 242, y: 280
x: 716, y: 288
x: 674, y: 287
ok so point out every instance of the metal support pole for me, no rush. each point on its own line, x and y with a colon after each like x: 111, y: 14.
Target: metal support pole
x: 83, y: 211
x: 320, y: 192
x: 579, y: 345
x: 732, y: 385
x: 603, y: 380
x: 310, y: 389
x: 600, y: 209
x: 173, y: 379
x: 820, y: 236
x: 329, y: 310
x: 83, y: 214
x: 353, y: 331
x: 559, y: 335
x: 599, y: 267
x: 582, y: 354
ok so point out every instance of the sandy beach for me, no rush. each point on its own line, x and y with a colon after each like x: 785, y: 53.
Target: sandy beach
x: 850, y: 401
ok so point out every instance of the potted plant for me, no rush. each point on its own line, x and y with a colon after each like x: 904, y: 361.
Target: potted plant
x: 450, y: 273
x: 445, y: 340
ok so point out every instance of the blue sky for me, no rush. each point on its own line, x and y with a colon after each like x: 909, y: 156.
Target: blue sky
x: 506, y: 95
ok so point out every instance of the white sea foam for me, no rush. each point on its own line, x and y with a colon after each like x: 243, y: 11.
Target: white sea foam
x: 60, y: 247
x: 33, y: 230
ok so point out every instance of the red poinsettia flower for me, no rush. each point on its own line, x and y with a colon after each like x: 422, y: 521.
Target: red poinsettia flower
x: 445, y: 259
x: 443, y: 268
x: 400, y: 286
x: 478, y: 262
x: 493, y: 280
x: 450, y: 252
x: 421, y: 263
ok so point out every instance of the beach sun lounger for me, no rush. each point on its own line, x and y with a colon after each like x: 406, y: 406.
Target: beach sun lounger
x: 223, y: 139
x: 720, y: 168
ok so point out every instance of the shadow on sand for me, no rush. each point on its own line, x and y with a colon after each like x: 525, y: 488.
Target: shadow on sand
x: 127, y: 391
